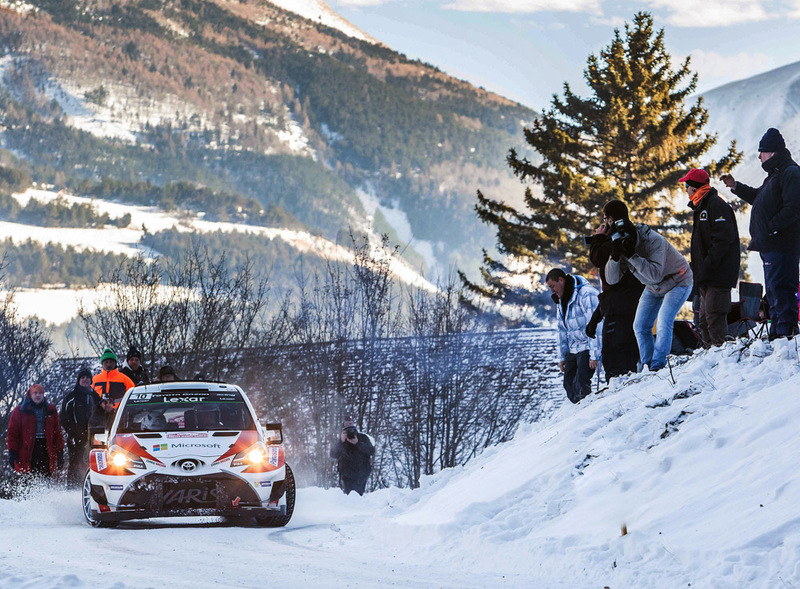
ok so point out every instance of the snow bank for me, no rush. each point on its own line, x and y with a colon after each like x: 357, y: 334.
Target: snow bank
x: 698, y: 469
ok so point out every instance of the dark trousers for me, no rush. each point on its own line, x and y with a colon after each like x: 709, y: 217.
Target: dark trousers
x: 715, y: 303
x: 357, y: 485
x: 620, y: 350
x: 40, y: 460
x: 781, y: 278
x: 577, y: 376
x: 78, y: 462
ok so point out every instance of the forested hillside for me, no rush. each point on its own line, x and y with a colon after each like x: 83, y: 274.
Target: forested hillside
x: 252, y: 114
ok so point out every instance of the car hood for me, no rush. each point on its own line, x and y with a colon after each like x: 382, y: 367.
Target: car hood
x: 169, y: 445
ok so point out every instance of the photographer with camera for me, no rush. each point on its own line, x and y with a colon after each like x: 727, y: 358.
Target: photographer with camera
x: 617, y: 302
x: 353, y: 451
x: 668, y: 283
x: 579, y: 355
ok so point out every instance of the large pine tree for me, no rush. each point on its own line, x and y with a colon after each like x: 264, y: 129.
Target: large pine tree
x: 631, y: 140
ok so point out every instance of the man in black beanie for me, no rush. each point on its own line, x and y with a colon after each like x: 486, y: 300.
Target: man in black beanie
x: 134, y: 369
x: 76, y: 409
x: 775, y: 229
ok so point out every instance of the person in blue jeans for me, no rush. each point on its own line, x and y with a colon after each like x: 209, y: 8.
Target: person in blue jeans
x: 668, y: 281
x: 775, y: 229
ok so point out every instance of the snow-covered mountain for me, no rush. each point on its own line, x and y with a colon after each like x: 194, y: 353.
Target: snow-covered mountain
x: 681, y: 478
x: 744, y: 110
x: 319, y: 11
x: 281, y: 103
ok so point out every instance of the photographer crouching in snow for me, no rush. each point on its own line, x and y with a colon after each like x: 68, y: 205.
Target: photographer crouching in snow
x: 668, y: 283
x: 353, y: 451
x: 575, y: 301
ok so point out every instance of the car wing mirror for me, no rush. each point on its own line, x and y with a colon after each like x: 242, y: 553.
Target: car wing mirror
x: 273, y: 433
x: 98, y: 437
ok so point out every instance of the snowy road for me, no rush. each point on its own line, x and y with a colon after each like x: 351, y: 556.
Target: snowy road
x: 332, y: 541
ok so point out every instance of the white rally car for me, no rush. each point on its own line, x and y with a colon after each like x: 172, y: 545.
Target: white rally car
x: 187, y: 448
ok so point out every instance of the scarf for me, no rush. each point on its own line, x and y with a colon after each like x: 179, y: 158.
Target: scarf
x: 699, y: 194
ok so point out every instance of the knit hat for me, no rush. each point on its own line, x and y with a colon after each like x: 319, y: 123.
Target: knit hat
x: 34, y: 388
x: 772, y: 141
x: 133, y: 353
x: 165, y: 370
x: 695, y: 177
x: 84, y: 372
x: 616, y: 209
x: 108, y: 355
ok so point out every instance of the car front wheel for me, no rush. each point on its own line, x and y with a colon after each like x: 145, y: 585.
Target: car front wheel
x: 278, y: 521
x: 87, y: 505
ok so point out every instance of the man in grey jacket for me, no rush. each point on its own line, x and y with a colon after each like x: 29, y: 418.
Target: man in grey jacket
x: 579, y: 356
x: 668, y: 283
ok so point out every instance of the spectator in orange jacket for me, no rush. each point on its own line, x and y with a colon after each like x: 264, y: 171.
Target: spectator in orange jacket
x: 110, y: 382
x: 35, y: 442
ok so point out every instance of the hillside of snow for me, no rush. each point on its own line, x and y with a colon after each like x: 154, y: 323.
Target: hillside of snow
x: 671, y: 479
x: 58, y: 305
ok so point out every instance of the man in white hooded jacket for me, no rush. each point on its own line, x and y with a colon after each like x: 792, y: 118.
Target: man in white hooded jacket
x: 579, y: 357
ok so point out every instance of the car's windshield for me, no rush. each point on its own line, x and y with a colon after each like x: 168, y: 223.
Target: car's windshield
x: 185, y: 410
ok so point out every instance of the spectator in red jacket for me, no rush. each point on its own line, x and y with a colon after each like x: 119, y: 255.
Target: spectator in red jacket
x: 35, y: 442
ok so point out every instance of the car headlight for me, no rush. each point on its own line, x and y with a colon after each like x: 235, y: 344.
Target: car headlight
x: 122, y: 458
x: 255, y: 455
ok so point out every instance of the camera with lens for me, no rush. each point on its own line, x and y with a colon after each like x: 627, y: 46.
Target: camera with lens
x: 620, y: 232
x: 351, y: 432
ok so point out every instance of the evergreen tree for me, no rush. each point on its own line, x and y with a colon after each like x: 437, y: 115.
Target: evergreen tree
x: 631, y: 140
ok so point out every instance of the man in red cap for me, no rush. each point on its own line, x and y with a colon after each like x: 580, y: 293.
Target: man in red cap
x: 715, y: 256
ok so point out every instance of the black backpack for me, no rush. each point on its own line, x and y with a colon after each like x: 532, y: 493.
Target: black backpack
x: 684, y: 338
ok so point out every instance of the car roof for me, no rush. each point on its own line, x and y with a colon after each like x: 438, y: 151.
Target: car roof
x: 184, y: 385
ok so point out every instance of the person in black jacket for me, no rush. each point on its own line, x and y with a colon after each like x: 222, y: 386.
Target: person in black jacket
x: 133, y: 368
x: 617, y: 302
x: 354, y: 452
x: 715, y: 256
x: 775, y: 229
x: 76, y: 409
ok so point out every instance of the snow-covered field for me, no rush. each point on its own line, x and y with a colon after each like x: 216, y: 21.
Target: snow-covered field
x: 700, y: 471
x: 58, y: 305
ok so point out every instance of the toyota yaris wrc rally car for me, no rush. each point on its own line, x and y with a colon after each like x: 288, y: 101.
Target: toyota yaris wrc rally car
x: 188, y: 448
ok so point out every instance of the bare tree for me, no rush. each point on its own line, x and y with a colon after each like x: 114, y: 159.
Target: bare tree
x: 196, y: 314
x: 25, y: 347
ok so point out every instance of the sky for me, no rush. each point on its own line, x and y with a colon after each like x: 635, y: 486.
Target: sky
x: 526, y: 49
x: 679, y: 478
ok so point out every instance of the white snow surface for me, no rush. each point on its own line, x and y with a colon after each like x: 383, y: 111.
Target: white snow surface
x: 319, y: 11
x: 710, y: 502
